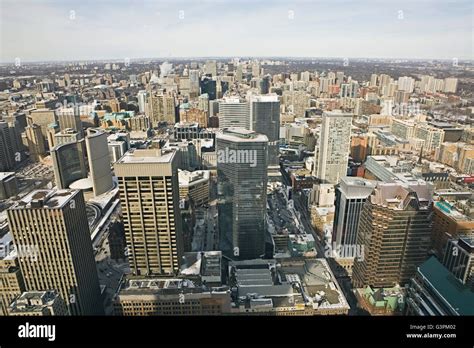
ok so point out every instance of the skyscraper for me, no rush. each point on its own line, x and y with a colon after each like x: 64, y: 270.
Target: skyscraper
x: 11, y: 279
x: 242, y: 191
x: 70, y: 118
x: 209, y: 87
x: 351, y: 195
x: 265, y: 119
x: 7, y: 148
x: 36, y: 142
x: 234, y: 112
x: 162, y: 108
x: 54, y: 224
x: 332, y: 152
x: 142, y: 98
x: 99, y: 161
x: 194, y: 83
x: 149, y: 195
x: 69, y: 163
x: 394, y: 229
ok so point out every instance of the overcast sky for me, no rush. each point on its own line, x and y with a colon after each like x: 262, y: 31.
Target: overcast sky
x: 102, y: 29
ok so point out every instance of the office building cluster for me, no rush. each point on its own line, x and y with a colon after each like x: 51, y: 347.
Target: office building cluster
x: 236, y: 186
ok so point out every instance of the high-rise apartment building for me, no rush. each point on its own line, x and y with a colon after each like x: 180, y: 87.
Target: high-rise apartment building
x: 162, y: 108
x: 450, y: 85
x: 394, y: 229
x: 242, y: 191
x: 149, y: 195
x: 332, y: 152
x: 54, y: 224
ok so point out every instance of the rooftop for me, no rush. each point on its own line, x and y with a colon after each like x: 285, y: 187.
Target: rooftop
x: 4, y: 175
x: 186, y: 178
x: 241, y: 135
x: 458, y: 295
x: 147, y: 156
x: 50, y: 199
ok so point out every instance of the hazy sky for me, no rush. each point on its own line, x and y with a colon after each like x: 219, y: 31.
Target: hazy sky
x: 102, y: 29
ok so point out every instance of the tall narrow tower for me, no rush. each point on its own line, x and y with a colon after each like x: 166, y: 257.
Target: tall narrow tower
x: 149, y: 195
x: 53, y: 226
x: 242, y: 191
x: 333, y: 150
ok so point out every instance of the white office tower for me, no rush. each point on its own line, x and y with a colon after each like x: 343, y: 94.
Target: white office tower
x: 265, y: 119
x: 234, y: 112
x: 351, y: 195
x: 142, y: 97
x: 332, y: 152
x: 99, y: 161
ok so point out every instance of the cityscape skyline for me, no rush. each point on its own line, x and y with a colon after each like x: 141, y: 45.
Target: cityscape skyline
x: 223, y: 160
x: 302, y: 28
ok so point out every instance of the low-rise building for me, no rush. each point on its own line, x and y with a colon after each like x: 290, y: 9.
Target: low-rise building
x: 38, y: 303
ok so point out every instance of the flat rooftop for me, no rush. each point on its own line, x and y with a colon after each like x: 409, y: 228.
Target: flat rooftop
x: 458, y: 295
x: 4, y: 175
x: 49, y: 199
x: 239, y: 134
x: 147, y: 156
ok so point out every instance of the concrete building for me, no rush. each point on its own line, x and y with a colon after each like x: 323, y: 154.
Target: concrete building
x: 55, y: 224
x: 99, y: 161
x: 306, y: 286
x: 69, y: 163
x: 394, y: 228
x: 432, y: 137
x: 351, y: 195
x: 195, y: 184
x: 38, y: 303
x: 149, y: 195
x: 234, y: 112
x: 66, y: 136
x: 36, y: 142
x: 242, y: 191
x: 70, y: 118
x: 11, y: 279
x: 448, y: 223
x: 162, y: 108
x: 434, y: 291
x: 8, y: 185
x: 332, y: 153
x: 43, y: 118
x: 138, y: 296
